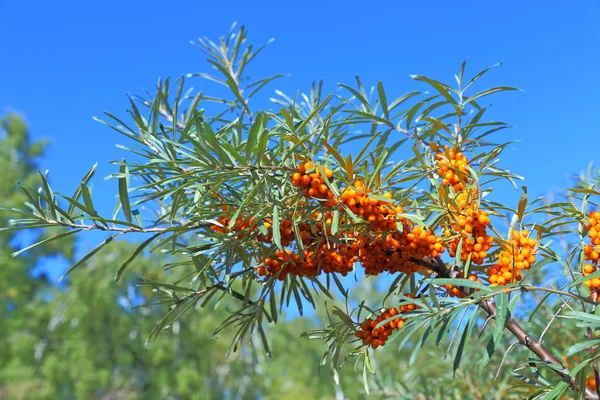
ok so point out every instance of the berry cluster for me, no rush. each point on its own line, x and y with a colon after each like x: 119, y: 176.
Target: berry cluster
x: 392, y: 252
x: 466, y: 222
x: 470, y: 226
x: 376, y: 337
x: 520, y: 256
x: 243, y: 225
x: 317, y: 259
x: 285, y: 262
x: 312, y: 184
x: 452, y: 168
x: 385, y: 243
x: 318, y: 256
x: 592, y: 253
x: 381, y: 214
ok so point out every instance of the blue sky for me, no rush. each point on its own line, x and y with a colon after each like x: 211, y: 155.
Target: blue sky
x: 64, y: 62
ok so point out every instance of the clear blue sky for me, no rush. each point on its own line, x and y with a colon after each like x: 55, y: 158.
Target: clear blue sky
x: 63, y: 62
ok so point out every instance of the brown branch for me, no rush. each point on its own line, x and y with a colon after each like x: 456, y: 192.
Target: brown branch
x: 489, y: 306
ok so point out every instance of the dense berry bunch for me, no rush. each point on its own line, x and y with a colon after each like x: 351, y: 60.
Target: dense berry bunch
x: 285, y: 262
x: 391, y: 253
x: 511, y: 261
x: 312, y: 184
x: 594, y: 229
x: 319, y: 255
x: 592, y: 253
x: 374, y: 336
x: 243, y: 225
x: 454, y: 291
x: 452, y: 168
x: 380, y: 213
x: 468, y: 224
x: 471, y: 227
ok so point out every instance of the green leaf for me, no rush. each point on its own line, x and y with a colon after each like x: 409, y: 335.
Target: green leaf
x: 459, y: 282
x: 335, y: 222
x: 463, y: 340
x: 124, y: 191
x: 313, y: 113
x: 576, y: 348
x: 402, y: 99
x: 42, y: 242
x: 349, y: 167
x: 276, y: 232
x: 488, y: 92
x: 479, y: 75
x: 502, y: 314
x: 368, y: 363
x: 359, y: 96
x: 522, y: 204
x: 251, y: 142
x: 584, y: 278
x: 589, y: 319
x: 442, y: 88
x: 420, y: 343
x: 364, y: 375
x: 90, y: 254
x: 556, y: 393
x: 383, y: 100
x: 135, y: 253
x: 273, y: 304
x: 86, y: 179
x: 335, y: 154
x: 49, y: 197
x: 344, y: 317
x: 87, y: 200
x: 263, y: 339
x: 457, y: 259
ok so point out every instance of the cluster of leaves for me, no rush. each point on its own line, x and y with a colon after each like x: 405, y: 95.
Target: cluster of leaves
x: 200, y: 162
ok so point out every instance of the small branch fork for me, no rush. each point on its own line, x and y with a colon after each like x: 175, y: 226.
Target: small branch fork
x: 489, y: 306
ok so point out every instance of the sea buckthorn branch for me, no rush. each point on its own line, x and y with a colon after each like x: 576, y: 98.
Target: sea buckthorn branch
x: 489, y: 306
x: 222, y: 286
x: 131, y: 229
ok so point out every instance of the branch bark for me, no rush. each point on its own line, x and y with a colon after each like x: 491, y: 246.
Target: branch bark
x: 489, y: 306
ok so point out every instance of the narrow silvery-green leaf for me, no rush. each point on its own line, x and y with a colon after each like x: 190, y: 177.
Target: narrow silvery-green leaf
x: 383, y: 99
x: 502, y: 314
x: 335, y: 222
x: 86, y: 179
x: 124, y: 191
x: 463, y: 340
x: 273, y: 304
x: 90, y: 254
x: 275, y: 227
x: 135, y: 253
x: 42, y: 242
x: 50, y: 203
x: 87, y: 199
x: 576, y: 348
